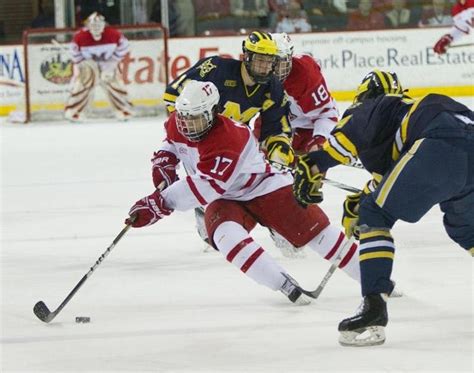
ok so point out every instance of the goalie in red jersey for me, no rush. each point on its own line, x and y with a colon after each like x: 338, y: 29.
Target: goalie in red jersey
x: 97, y: 50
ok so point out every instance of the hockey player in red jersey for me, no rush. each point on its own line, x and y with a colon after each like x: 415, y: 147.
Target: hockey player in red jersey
x: 97, y: 50
x: 463, y: 19
x: 230, y: 176
x: 313, y: 110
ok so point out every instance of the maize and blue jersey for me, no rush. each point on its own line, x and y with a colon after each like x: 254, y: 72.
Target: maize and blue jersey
x: 238, y: 101
x: 378, y: 131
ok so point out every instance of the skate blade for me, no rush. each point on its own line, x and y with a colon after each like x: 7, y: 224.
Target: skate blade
x: 370, y: 336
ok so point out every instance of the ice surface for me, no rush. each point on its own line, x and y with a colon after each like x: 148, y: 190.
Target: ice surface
x: 158, y: 303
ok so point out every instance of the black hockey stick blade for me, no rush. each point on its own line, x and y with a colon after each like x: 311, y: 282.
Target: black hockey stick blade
x: 43, y: 313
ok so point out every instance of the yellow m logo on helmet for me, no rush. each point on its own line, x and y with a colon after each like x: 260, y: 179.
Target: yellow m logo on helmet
x: 260, y: 42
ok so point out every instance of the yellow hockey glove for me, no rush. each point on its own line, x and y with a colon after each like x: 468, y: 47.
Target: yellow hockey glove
x: 279, y: 150
x: 350, y: 215
x: 307, y: 183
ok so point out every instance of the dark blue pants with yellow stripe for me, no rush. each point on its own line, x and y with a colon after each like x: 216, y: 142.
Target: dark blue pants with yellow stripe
x: 437, y: 169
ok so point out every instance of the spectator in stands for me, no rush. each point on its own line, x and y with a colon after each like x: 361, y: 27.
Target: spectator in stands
x: 213, y: 15
x: 294, y: 19
x: 180, y: 17
x: 400, y: 16
x: 437, y: 14
x: 328, y: 15
x: 45, y: 18
x: 251, y: 10
x: 108, y: 8
x: 276, y: 9
x: 365, y: 17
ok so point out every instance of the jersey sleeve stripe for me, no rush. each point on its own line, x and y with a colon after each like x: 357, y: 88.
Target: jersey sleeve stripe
x: 196, y: 193
x: 346, y: 143
x: 168, y: 97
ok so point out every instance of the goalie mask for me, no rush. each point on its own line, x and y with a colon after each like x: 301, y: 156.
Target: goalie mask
x: 260, y: 56
x: 378, y: 83
x: 285, y: 55
x: 196, y: 109
x: 95, y: 24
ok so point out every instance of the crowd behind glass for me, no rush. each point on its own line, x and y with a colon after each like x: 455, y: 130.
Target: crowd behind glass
x: 228, y: 17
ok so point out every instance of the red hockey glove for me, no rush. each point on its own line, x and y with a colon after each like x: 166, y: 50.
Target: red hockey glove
x: 315, y: 143
x: 442, y: 44
x: 148, y: 211
x: 164, y: 169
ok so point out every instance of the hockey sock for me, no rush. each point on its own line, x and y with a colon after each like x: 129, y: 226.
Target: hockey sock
x: 234, y: 242
x: 329, y: 243
x: 376, y: 261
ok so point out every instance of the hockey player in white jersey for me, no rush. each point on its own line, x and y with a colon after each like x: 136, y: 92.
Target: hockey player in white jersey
x: 230, y: 177
x: 97, y: 50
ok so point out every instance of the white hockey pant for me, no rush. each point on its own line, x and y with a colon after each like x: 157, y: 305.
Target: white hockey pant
x: 329, y: 244
x: 234, y: 242
x: 117, y: 94
x: 84, y: 81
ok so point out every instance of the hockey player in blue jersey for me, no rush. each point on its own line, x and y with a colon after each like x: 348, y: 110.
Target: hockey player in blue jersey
x: 246, y: 88
x: 420, y: 153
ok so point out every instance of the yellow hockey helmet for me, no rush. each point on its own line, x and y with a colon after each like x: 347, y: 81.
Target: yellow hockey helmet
x: 378, y: 83
x: 260, y: 56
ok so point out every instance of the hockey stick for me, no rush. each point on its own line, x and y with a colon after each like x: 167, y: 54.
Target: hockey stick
x: 342, y: 186
x: 333, y: 183
x: 42, y: 311
x: 462, y: 45
x: 316, y: 293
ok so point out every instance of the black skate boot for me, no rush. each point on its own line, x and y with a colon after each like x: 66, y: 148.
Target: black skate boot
x: 292, y: 290
x: 367, y: 327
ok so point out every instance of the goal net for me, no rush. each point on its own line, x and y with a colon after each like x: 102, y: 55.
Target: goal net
x: 49, y: 70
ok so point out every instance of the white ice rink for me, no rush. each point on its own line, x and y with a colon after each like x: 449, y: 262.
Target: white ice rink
x: 158, y: 303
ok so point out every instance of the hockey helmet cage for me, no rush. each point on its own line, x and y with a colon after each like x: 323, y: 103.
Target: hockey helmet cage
x: 378, y: 83
x: 196, y: 109
x: 95, y: 23
x: 260, y: 56
x: 285, y: 54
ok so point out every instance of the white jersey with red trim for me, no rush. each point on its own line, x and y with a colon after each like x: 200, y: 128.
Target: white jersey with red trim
x: 463, y: 18
x: 225, y: 164
x: 311, y: 103
x: 112, y: 46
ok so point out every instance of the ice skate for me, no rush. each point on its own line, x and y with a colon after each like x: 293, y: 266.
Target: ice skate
x: 367, y: 327
x: 72, y: 116
x: 286, y: 248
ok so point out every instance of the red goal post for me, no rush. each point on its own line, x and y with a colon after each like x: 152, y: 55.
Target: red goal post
x: 48, y: 72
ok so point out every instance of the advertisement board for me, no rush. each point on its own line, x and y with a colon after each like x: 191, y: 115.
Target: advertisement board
x: 346, y: 57
x: 12, y: 78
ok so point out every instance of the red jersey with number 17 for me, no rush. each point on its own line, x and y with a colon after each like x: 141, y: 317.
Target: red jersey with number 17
x: 225, y: 164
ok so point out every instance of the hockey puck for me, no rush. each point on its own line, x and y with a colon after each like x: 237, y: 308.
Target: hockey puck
x: 83, y: 319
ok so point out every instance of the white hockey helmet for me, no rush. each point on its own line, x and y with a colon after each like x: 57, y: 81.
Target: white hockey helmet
x: 95, y: 24
x: 285, y: 53
x: 196, y: 109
